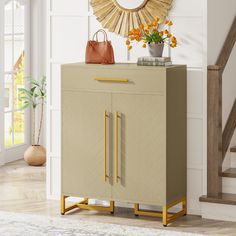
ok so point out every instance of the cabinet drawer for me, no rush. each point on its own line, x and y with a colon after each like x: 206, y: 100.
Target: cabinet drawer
x: 79, y: 78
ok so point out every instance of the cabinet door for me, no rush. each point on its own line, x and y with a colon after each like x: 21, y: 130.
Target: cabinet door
x: 83, y: 144
x: 139, y: 147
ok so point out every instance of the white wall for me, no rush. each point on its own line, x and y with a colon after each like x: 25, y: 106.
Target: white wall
x: 71, y: 23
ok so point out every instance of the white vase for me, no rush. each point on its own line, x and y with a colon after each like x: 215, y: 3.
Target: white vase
x: 156, y: 49
x: 35, y: 155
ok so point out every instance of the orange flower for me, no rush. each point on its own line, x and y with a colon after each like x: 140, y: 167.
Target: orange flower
x: 173, y: 39
x: 132, y: 38
x: 154, y: 24
x: 166, y: 32
x: 166, y: 22
x: 136, y: 31
x: 130, y: 33
x: 127, y: 42
x: 143, y: 31
x: 141, y: 26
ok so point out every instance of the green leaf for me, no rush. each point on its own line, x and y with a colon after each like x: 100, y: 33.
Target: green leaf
x: 25, y: 106
x: 26, y: 92
x: 33, y: 89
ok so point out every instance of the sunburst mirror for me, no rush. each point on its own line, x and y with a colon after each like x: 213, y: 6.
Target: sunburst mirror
x: 120, y: 16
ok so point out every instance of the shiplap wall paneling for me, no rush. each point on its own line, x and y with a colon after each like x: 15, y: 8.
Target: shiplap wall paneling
x: 68, y: 32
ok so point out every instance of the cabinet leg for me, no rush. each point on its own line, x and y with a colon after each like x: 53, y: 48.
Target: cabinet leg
x: 184, y: 205
x: 164, y: 216
x: 63, y: 205
x: 112, y: 207
x: 168, y: 218
x: 84, y: 204
x: 136, y: 209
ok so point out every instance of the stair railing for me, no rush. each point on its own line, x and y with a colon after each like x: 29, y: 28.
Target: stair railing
x: 218, y: 142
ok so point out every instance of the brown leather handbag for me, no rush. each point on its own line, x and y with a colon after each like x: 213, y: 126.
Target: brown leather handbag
x: 99, y: 52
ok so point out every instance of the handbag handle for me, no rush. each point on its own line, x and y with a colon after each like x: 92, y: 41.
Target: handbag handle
x: 104, y: 33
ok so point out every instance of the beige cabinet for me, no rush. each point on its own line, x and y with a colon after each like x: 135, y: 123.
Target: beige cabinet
x: 138, y: 157
x: 124, y: 135
x: 82, y: 144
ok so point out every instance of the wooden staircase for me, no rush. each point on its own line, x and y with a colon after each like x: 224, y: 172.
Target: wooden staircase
x: 218, y: 143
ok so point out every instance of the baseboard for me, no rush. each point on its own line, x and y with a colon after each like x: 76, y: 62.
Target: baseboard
x: 215, y: 211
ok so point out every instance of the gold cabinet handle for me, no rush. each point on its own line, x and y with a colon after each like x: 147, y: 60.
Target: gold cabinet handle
x: 105, y: 145
x: 113, y: 80
x: 117, y: 147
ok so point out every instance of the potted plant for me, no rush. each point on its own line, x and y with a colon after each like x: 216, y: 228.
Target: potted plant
x: 35, y: 97
x: 154, y: 35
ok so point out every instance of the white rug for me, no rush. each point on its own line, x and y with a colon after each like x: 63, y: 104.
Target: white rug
x: 16, y: 224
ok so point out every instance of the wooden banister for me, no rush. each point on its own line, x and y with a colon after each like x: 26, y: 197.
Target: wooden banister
x: 227, y: 47
x: 218, y: 143
x: 214, y: 131
x: 229, y: 130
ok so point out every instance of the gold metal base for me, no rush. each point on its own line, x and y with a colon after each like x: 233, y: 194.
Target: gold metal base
x: 166, y: 217
x: 84, y: 205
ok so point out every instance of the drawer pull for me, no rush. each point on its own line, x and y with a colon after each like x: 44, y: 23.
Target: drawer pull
x: 113, y: 80
x: 105, y: 145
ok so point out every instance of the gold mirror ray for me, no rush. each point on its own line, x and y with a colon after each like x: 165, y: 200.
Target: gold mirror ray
x: 120, y: 20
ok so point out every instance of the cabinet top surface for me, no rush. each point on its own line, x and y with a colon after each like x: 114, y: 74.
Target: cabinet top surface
x: 129, y: 66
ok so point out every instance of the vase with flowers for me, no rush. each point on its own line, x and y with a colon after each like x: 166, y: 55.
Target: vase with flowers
x: 154, y: 35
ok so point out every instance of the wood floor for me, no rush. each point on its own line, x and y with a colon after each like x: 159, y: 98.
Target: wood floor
x: 23, y: 189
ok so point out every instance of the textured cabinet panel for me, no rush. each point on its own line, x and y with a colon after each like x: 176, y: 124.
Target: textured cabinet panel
x: 141, y: 148
x: 151, y: 82
x: 83, y: 144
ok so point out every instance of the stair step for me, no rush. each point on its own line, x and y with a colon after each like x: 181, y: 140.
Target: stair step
x: 231, y: 173
x: 223, y: 198
x: 233, y: 149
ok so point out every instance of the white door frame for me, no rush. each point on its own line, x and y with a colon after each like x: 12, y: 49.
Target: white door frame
x: 2, y: 160
x: 15, y: 152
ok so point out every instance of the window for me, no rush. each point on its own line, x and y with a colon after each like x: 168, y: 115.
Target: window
x: 14, y: 68
x: 14, y: 72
